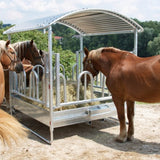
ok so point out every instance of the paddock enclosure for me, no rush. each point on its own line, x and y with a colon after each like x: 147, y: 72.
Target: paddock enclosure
x: 48, y: 100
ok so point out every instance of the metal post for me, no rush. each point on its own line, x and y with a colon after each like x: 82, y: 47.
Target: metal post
x: 46, y: 79
x: 50, y: 86
x: 9, y: 37
x: 81, y: 43
x: 44, y: 31
x: 135, y: 42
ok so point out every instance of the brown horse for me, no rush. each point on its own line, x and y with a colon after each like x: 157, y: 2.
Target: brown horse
x: 129, y: 78
x: 25, y: 50
x: 28, y: 50
x: 10, y: 128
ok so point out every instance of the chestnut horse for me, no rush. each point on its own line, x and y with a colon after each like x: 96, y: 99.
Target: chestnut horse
x: 25, y: 50
x: 10, y: 128
x: 129, y: 78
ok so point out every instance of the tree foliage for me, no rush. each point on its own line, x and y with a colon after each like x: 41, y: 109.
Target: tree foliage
x: 144, y: 37
x: 67, y: 59
x: 70, y: 41
x: 1, y: 24
x: 154, y: 46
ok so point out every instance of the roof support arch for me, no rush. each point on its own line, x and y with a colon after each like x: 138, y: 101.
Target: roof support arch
x: 84, y: 21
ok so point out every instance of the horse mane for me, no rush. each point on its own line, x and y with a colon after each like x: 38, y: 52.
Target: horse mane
x: 17, y: 45
x: 3, y: 46
x: 21, y: 48
x: 96, y: 53
x: 117, y: 51
x: 21, y: 43
x: 111, y: 49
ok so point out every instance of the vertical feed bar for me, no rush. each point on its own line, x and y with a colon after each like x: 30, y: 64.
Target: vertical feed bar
x: 46, y: 71
x: 77, y: 65
x: 57, y: 79
x: 81, y: 53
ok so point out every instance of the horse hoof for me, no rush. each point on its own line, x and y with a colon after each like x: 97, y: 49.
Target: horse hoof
x: 130, y: 138
x: 120, y: 139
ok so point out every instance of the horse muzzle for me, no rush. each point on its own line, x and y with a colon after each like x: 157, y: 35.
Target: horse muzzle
x: 17, y: 67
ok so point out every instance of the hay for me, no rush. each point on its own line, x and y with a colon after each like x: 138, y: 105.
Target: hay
x: 71, y: 92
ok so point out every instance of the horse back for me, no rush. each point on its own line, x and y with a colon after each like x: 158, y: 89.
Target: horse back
x: 136, y: 79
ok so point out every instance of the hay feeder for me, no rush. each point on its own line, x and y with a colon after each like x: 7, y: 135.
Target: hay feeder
x: 42, y: 100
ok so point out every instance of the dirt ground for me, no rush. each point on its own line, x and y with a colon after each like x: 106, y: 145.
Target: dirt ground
x: 96, y: 141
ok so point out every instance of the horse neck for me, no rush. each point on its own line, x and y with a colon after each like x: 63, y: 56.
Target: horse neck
x: 106, y: 61
x: 2, y: 82
x: 21, y: 49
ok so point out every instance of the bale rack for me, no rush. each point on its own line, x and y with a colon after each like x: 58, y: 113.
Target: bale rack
x: 27, y: 99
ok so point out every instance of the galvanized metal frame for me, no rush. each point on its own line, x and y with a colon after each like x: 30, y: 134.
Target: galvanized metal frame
x: 44, y: 23
x: 60, y: 118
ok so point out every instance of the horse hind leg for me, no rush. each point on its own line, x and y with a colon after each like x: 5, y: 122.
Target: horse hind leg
x: 119, y: 103
x: 130, y: 115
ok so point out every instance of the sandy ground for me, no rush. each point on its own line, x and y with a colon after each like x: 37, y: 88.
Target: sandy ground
x: 96, y: 141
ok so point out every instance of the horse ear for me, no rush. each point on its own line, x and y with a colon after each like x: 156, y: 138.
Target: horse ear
x: 31, y: 42
x: 7, y: 43
x: 41, y: 53
x: 103, y: 50
x: 86, y: 51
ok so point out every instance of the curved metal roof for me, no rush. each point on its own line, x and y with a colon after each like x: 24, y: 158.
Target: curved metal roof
x: 85, y: 22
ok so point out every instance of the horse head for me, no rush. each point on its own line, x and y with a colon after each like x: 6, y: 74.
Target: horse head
x: 8, y: 57
x: 89, y: 65
x: 33, y: 54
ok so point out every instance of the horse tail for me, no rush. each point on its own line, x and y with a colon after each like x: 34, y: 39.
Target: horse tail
x: 10, y: 129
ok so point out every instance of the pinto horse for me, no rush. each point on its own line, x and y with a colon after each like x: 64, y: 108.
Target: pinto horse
x: 25, y: 50
x: 129, y: 78
x: 10, y: 128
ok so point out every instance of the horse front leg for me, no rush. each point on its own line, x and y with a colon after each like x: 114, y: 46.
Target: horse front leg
x: 119, y: 103
x: 130, y: 115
